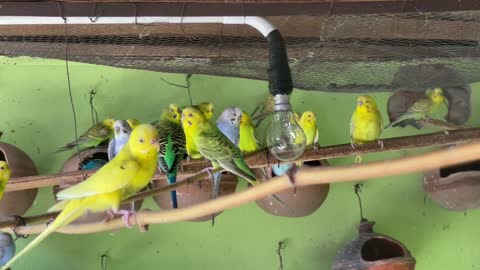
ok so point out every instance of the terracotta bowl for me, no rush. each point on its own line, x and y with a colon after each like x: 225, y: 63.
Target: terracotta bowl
x: 298, y: 203
x: 195, y: 193
x: 17, y: 202
x: 74, y: 163
x: 455, y: 188
x: 373, y: 251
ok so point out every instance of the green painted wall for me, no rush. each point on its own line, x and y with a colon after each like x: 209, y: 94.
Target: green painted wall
x: 35, y: 113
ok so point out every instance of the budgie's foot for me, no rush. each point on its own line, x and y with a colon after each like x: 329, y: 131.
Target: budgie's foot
x: 315, y: 146
x: 110, y: 215
x: 446, y: 132
x: 209, y: 171
x: 50, y: 221
x: 126, y: 214
x: 354, y: 145
x: 381, y: 144
x: 20, y: 221
x: 188, y: 159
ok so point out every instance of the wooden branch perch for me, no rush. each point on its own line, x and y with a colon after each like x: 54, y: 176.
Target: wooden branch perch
x: 304, y: 177
x: 262, y: 159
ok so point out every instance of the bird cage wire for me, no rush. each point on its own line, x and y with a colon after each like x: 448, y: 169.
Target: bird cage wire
x: 340, y: 53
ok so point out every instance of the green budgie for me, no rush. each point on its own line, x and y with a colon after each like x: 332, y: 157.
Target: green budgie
x: 215, y: 146
x: 172, y: 145
x: 423, y: 108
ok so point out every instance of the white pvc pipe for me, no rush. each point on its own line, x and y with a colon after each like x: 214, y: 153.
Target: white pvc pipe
x: 259, y: 23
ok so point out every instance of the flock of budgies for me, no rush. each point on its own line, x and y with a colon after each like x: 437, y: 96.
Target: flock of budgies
x: 136, y: 151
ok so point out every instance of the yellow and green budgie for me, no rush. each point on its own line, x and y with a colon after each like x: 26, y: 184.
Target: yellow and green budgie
x: 215, y: 146
x: 133, y: 122
x: 366, y: 123
x: 206, y: 108
x: 172, y: 145
x: 4, y: 177
x: 423, y: 108
x: 94, y: 136
x: 248, y: 142
x: 127, y: 173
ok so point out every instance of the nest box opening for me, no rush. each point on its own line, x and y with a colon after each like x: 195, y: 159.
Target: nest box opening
x: 378, y: 249
x: 471, y: 166
x: 2, y: 156
x: 96, y: 160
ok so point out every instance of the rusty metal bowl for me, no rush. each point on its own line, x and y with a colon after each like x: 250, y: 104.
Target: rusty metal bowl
x: 17, y: 203
x: 74, y: 163
x: 373, y: 251
x: 298, y: 203
x: 195, y: 193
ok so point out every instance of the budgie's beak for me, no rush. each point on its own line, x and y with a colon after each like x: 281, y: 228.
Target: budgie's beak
x: 156, y: 144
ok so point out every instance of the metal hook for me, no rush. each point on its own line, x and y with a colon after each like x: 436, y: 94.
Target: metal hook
x: 358, y: 188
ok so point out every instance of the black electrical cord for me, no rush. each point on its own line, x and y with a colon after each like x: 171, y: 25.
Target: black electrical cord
x: 279, y: 74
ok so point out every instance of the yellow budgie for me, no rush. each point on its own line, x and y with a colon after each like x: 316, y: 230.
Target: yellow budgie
x: 308, y: 122
x: 133, y: 122
x: 366, y: 124
x: 248, y: 141
x: 206, y: 108
x: 124, y: 175
x: 423, y: 108
x: 4, y: 176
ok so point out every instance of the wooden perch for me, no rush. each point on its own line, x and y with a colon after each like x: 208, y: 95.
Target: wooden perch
x: 262, y: 159
x: 304, y: 177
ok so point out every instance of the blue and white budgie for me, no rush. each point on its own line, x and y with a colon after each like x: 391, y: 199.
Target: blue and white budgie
x: 7, y: 248
x: 122, y: 132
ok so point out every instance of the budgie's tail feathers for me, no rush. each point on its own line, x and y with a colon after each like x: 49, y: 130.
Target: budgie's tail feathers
x: 171, y: 179
x: 403, y: 117
x: 240, y: 169
x: 71, y: 212
x: 73, y: 144
x: 216, y: 178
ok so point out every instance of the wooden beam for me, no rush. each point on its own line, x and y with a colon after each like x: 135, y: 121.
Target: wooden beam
x: 227, y: 8
x: 262, y: 159
x: 322, y: 28
x: 304, y: 177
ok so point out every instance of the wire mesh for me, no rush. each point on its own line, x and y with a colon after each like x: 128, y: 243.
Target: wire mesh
x: 344, y: 53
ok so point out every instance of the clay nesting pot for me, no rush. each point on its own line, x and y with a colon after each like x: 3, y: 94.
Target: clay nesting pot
x: 298, y: 203
x: 373, y: 251
x: 455, y: 188
x: 17, y: 202
x: 195, y: 193
x: 74, y: 163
